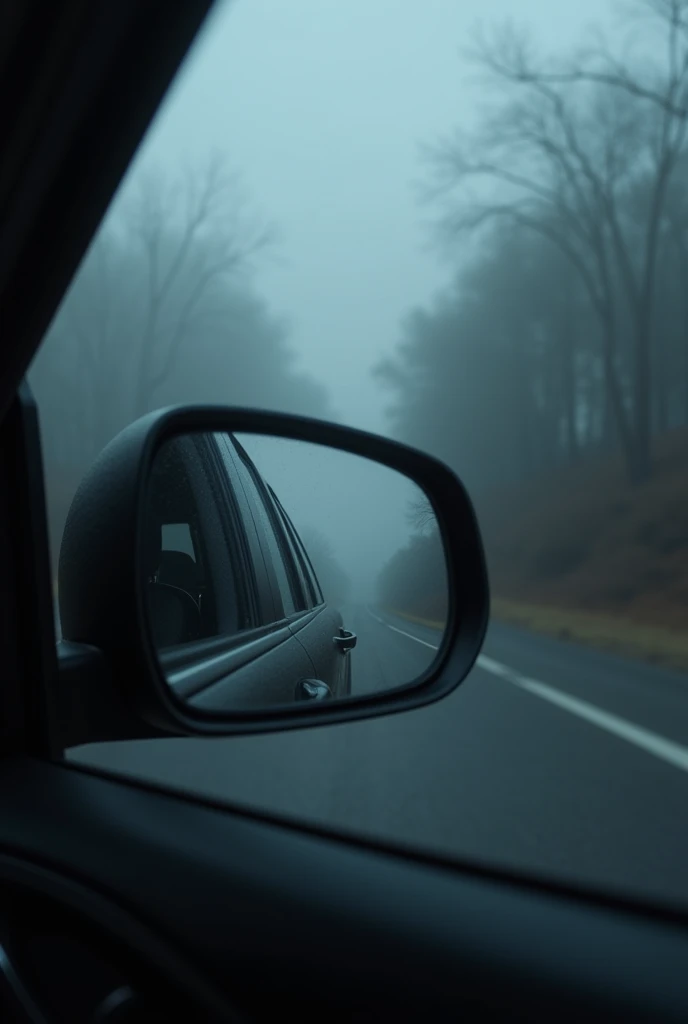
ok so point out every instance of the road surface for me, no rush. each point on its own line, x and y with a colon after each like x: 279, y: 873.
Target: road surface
x: 549, y: 758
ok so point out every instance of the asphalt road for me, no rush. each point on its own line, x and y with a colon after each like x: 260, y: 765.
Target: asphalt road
x: 389, y: 650
x: 549, y: 758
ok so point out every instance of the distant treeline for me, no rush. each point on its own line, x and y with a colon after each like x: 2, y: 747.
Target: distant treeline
x: 161, y: 311
x: 565, y: 330
x: 414, y: 580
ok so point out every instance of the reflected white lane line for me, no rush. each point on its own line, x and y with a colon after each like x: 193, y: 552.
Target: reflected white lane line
x: 433, y: 647
x: 651, y: 742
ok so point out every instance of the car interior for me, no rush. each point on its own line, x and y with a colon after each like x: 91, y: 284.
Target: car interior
x: 123, y: 901
x: 176, y: 577
x: 180, y: 569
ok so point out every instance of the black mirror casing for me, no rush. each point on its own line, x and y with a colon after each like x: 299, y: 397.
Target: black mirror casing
x: 102, y: 604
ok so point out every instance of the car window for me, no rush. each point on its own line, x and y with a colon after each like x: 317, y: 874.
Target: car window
x: 309, y: 582
x: 306, y: 559
x: 302, y: 582
x: 177, y: 537
x: 191, y: 514
x: 463, y: 225
x: 278, y: 561
x: 178, y: 565
x: 304, y: 577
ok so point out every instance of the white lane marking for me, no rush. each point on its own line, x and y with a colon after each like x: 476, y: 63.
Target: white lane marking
x: 403, y: 633
x: 651, y: 742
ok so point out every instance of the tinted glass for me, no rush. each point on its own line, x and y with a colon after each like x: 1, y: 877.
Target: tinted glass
x: 305, y: 576
x: 177, y: 537
x: 277, y: 551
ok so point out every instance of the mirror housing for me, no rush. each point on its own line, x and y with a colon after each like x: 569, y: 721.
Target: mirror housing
x: 102, y: 605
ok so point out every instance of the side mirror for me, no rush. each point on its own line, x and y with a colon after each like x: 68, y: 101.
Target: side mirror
x: 233, y: 571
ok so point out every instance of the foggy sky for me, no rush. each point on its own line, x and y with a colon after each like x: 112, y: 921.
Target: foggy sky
x: 321, y: 106
x: 359, y: 506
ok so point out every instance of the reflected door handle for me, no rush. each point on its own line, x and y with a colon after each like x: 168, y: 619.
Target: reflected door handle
x: 346, y: 641
x: 312, y: 689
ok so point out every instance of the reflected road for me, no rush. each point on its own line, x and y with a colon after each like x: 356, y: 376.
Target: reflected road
x: 390, y: 651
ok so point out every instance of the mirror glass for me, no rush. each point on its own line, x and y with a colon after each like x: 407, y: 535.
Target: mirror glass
x: 280, y: 571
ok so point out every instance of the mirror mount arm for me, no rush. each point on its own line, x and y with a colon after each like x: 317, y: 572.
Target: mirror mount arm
x: 346, y: 641
x: 90, y: 707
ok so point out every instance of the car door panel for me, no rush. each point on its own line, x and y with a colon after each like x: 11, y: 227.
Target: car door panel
x: 316, y: 632
x: 257, y: 673
x: 316, y: 629
x: 263, y: 666
x: 235, y: 669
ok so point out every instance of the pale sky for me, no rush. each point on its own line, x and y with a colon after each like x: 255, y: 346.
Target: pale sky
x: 321, y: 106
x: 326, y: 489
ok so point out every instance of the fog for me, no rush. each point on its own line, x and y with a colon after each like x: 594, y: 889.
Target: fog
x: 317, y: 113
x: 323, y: 108
x: 460, y: 224
x: 361, y: 508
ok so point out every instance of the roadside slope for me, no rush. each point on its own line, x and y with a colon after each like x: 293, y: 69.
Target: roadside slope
x: 586, y: 556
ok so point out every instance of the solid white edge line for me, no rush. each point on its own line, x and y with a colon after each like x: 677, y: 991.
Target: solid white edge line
x: 651, y: 742
x: 418, y: 640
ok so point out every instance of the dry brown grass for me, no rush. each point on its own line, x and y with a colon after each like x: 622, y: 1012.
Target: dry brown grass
x: 587, y: 543
x: 432, y: 623
x: 654, y: 644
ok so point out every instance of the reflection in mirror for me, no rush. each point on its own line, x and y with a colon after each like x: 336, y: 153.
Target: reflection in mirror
x: 280, y: 571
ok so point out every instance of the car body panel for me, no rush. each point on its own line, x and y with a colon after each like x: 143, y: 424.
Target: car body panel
x: 316, y: 632
x: 263, y: 666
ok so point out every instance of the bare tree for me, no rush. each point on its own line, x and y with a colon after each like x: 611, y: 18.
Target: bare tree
x: 191, y: 238
x: 570, y: 146
x: 675, y: 232
x: 421, y: 514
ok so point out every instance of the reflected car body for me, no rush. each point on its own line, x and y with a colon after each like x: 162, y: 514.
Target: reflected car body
x: 237, y: 614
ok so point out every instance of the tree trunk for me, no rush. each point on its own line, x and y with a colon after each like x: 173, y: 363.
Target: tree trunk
x: 616, y: 410
x: 608, y: 426
x: 569, y: 390
x: 685, y: 347
x: 640, y: 466
x: 661, y: 396
x: 682, y: 254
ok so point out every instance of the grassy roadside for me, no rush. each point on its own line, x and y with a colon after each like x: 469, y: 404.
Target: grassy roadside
x: 431, y: 623
x: 650, y: 643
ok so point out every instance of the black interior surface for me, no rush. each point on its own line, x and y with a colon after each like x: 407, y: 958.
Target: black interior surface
x: 63, y: 965
x: 85, y: 78
x: 292, y: 925
x: 179, y: 570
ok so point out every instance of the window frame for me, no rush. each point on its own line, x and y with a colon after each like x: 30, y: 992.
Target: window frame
x: 299, y: 596
x: 298, y: 549
x: 311, y: 574
x: 219, y: 528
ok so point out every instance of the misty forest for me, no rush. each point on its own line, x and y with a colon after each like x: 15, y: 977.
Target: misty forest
x: 551, y: 371
x: 162, y: 311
